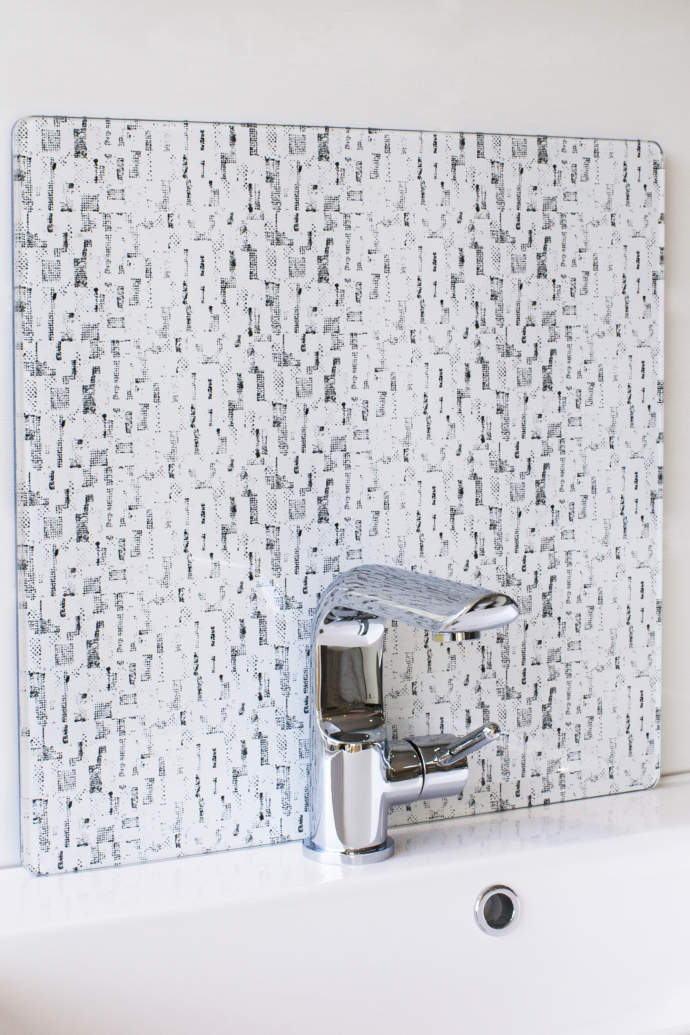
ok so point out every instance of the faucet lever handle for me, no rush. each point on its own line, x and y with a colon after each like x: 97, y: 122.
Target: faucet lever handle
x: 444, y: 759
x: 464, y: 746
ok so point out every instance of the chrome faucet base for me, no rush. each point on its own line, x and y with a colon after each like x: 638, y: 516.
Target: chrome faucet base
x: 350, y: 857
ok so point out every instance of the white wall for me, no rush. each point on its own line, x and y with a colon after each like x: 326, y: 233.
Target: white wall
x: 598, y: 67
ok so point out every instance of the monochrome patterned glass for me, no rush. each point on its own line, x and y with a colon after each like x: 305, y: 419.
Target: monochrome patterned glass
x: 251, y: 357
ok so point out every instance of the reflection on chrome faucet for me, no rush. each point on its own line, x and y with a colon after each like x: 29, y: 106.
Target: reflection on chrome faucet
x: 356, y: 772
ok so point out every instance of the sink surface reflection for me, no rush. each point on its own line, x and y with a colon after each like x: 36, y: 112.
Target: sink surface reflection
x: 265, y: 941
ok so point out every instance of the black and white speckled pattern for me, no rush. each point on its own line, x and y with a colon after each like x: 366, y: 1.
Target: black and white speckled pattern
x: 250, y: 357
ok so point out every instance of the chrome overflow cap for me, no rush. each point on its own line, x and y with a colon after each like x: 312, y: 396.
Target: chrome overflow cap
x: 497, y: 909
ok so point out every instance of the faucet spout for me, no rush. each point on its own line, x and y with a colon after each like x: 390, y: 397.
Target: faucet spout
x: 356, y: 773
x: 438, y: 605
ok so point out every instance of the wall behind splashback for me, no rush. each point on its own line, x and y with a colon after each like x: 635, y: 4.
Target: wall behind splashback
x: 437, y: 66
x: 251, y: 357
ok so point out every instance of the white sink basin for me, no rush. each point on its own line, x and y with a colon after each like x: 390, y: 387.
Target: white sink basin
x: 263, y: 940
